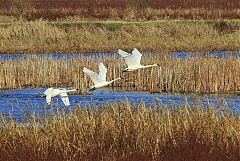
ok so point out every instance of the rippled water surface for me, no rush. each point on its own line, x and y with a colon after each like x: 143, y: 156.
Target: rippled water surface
x: 28, y: 100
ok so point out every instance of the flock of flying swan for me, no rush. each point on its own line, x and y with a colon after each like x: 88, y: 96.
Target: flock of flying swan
x: 133, y: 61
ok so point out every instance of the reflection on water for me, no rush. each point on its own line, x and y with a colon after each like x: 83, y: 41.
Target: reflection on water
x: 27, y: 100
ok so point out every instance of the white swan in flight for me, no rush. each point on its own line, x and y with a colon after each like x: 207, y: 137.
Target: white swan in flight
x: 62, y: 92
x: 99, y: 80
x: 133, y: 60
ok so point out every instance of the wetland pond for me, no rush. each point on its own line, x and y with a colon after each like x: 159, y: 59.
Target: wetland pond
x: 19, y: 101
x: 28, y: 100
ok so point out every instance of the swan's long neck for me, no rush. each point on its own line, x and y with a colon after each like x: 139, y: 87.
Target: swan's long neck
x: 147, y: 66
x: 71, y: 90
x: 114, y: 80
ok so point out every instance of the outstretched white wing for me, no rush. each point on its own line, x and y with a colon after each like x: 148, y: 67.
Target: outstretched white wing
x: 123, y: 53
x: 48, y: 94
x: 137, y: 55
x: 134, y: 59
x: 64, y: 98
x: 93, y: 75
x: 102, y: 72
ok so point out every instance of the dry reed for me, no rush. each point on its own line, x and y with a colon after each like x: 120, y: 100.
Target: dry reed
x: 122, y: 131
x: 115, y: 9
x: 200, y: 74
x: 80, y: 36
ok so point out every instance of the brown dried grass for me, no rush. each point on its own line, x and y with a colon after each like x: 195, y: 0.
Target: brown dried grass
x: 73, y: 35
x: 200, y: 74
x: 115, y: 9
x: 122, y: 131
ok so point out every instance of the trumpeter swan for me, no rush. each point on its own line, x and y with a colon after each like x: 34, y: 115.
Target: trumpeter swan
x: 62, y: 92
x: 99, y: 80
x: 133, y: 60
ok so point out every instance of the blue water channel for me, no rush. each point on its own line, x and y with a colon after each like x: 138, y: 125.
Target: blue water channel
x: 179, y: 54
x: 22, y: 101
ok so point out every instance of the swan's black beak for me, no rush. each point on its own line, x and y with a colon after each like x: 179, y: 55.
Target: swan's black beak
x: 124, y: 71
x: 92, y: 89
x: 158, y: 65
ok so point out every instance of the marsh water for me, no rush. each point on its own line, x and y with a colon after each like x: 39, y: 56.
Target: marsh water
x: 27, y: 100
x: 20, y: 101
x: 179, y: 54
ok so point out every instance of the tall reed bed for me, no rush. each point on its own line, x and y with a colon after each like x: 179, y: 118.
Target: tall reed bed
x: 199, y: 74
x: 72, y: 35
x: 122, y: 131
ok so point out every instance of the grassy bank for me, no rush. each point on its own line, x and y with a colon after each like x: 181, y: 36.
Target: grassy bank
x: 74, y: 36
x: 124, y: 132
x: 200, y: 74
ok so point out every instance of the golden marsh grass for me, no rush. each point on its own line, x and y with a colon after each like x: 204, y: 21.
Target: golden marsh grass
x: 81, y: 36
x: 199, y: 74
x: 122, y: 131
